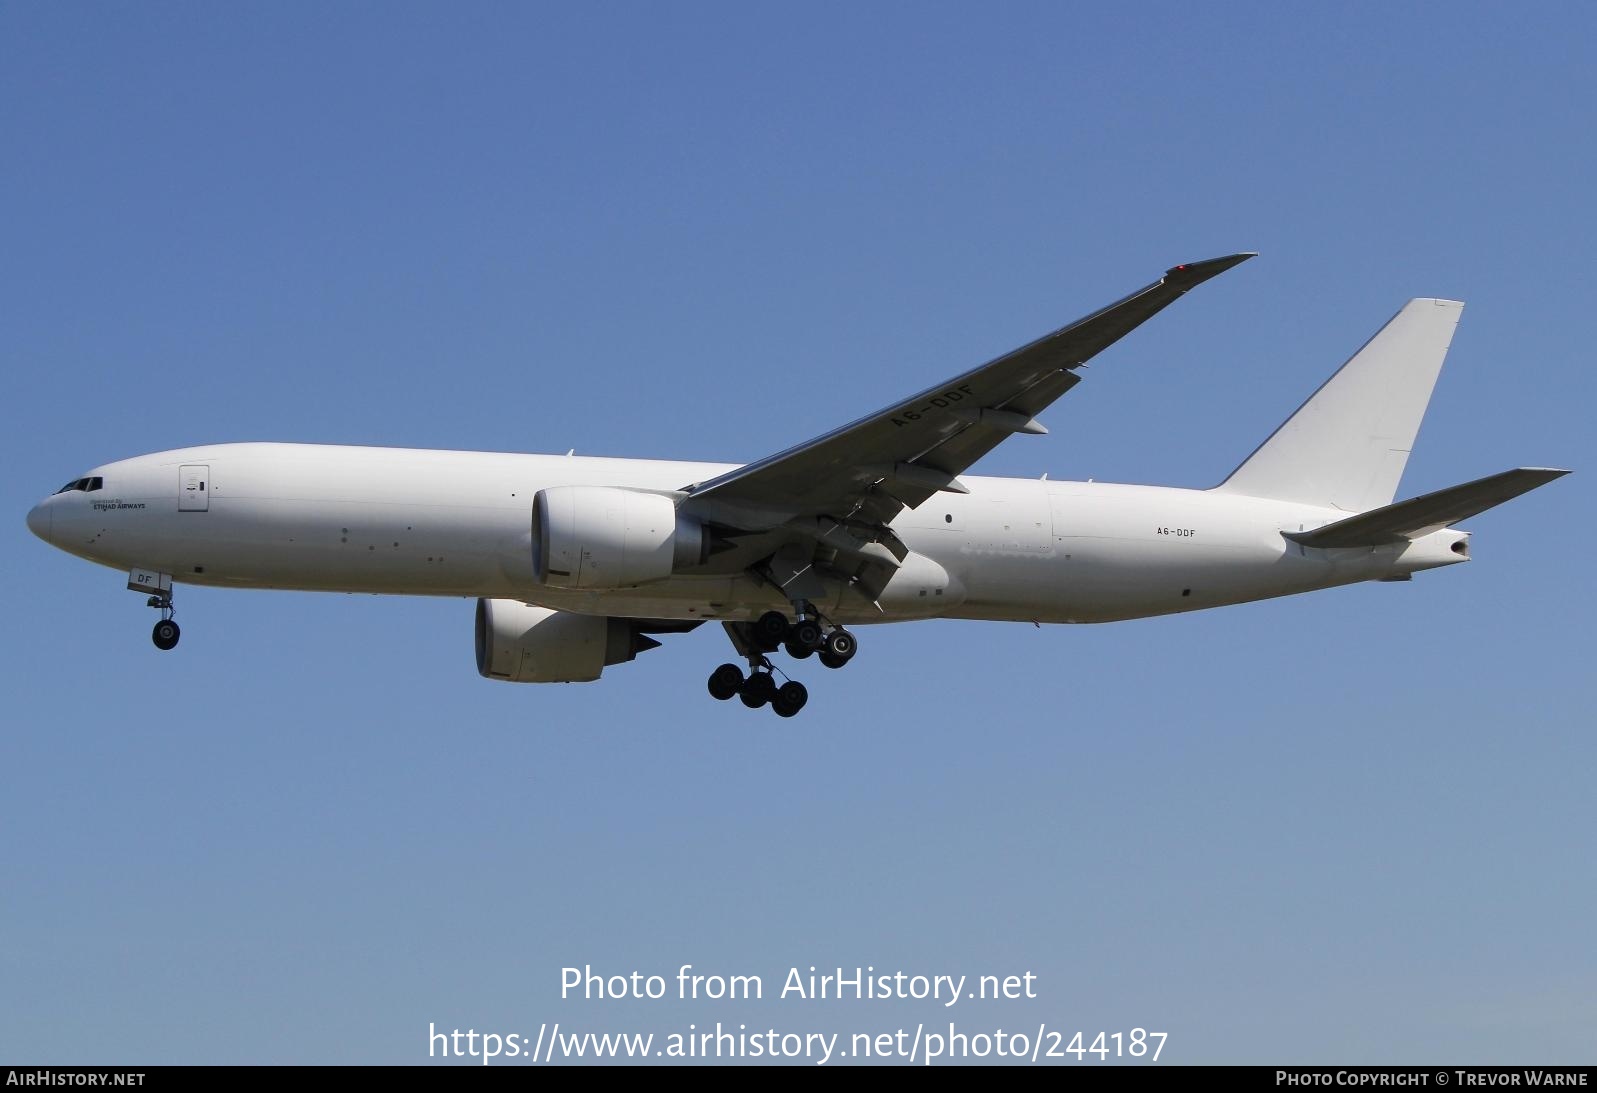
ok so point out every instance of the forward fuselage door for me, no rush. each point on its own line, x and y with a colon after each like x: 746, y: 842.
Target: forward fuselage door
x: 194, y: 488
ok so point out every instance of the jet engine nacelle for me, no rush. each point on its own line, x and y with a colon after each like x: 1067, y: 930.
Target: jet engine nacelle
x: 520, y: 643
x: 604, y: 537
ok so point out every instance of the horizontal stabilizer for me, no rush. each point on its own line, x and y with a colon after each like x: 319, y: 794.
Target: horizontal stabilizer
x: 1432, y: 512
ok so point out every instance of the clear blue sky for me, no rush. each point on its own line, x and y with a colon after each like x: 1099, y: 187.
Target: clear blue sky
x: 1353, y: 826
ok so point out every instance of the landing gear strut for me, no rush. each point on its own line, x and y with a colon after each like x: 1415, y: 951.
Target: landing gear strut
x: 766, y: 634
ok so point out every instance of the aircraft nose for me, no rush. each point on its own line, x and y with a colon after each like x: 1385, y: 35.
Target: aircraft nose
x: 39, y: 521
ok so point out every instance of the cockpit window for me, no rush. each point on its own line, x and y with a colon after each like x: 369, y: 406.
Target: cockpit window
x: 83, y: 485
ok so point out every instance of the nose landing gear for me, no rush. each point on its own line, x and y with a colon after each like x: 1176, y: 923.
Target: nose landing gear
x: 166, y: 631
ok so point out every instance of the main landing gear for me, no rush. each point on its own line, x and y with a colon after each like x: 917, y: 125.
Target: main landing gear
x: 770, y: 632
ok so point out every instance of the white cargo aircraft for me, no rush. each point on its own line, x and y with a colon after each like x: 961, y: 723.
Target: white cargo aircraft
x: 576, y: 561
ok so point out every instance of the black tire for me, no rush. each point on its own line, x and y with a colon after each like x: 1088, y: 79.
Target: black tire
x: 808, y: 634
x: 830, y: 661
x: 757, y: 690
x: 165, y: 634
x: 841, y: 645
x: 790, y: 698
x: 797, y: 651
x: 771, y: 630
x: 725, y: 682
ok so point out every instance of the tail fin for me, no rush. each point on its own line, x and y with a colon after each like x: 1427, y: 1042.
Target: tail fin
x: 1347, y: 445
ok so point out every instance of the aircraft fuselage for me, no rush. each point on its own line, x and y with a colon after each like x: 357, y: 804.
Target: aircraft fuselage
x: 447, y: 523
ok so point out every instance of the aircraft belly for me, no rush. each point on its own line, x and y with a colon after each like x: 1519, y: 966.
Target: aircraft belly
x: 729, y: 599
x: 721, y: 598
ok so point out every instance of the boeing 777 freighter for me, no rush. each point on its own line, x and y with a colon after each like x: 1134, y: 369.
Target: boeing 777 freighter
x: 576, y: 562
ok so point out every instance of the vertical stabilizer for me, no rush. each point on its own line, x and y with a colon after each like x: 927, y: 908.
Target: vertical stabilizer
x: 1346, y: 447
